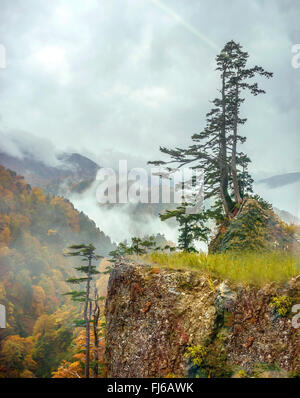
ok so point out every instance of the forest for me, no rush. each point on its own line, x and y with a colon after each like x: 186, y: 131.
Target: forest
x: 35, y: 228
x: 56, y: 316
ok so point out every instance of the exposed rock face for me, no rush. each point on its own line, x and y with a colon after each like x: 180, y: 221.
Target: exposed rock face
x: 258, y: 335
x: 153, y: 315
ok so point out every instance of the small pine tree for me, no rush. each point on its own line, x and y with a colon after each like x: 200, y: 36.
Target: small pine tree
x: 121, y: 250
x: 138, y: 246
x: 191, y: 226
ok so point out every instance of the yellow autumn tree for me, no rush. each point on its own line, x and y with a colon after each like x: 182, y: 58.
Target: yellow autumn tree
x: 75, y: 369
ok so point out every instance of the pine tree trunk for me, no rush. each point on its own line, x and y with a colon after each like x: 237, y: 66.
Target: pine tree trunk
x: 87, y: 324
x: 236, y: 187
x: 224, y: 172
x: 96, y: 338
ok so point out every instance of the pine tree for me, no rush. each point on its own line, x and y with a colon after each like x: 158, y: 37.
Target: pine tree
x: 215, y: 149
x: 191, y: 226
x: 96, y: 315
x: 238, y: 79
x: 121, y: 250
x: 87, y: 252
x: 138, y: 246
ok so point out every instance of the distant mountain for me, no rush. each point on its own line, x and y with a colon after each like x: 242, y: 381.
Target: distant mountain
x: 280, y: 180
x: 74, y: 172
x: 286, y: 216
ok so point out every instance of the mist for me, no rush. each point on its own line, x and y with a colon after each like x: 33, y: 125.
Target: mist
x: 22, y: 144
x: 284, y: 197
x: 117, y: 221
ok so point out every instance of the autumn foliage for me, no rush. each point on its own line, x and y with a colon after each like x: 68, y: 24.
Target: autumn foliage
x: 34, y: 229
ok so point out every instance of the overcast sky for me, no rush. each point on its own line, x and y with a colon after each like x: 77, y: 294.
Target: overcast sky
x: 117, y: 78
x: 121, y: 77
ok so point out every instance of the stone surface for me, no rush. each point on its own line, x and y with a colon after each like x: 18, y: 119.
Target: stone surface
x: 151, y: 316
x: 154, y: 314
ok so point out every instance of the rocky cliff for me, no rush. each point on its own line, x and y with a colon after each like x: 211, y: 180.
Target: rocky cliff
x: 164, y: 323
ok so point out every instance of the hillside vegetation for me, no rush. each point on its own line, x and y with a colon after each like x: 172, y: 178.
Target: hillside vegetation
x: 256, y: 227
x: 34, y: 230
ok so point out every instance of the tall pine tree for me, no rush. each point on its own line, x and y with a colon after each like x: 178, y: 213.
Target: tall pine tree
x: 215, y: 149
x: 238, y: 79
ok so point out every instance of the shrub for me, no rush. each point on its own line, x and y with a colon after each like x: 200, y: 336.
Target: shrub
x: 241, y: 374
x: 197, y: 354
x: 282, y: 305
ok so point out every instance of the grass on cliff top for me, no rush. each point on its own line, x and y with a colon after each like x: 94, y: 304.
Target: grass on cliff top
x: 246, y: 268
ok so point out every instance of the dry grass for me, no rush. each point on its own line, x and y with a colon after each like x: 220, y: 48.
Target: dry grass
x: 246, y: 268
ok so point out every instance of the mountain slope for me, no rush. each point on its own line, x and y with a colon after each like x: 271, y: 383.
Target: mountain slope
x: 34, y: 230
x: 72, y: 172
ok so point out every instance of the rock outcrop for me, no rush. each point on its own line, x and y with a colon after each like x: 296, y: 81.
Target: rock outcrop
x: 153, y: 315
x: 255, y: 227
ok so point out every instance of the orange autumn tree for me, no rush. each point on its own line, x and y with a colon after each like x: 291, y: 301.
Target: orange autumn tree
x: 75, y: 368
x: 15, y: 357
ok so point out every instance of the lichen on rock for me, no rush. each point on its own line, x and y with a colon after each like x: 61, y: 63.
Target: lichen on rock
x: 154, y: 316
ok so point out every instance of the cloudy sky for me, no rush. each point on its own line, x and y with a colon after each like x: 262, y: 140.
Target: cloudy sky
x: 117, y: 78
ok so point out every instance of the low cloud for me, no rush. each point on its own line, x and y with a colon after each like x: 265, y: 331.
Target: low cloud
x: 21, y: 144
x: 119, y: 221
